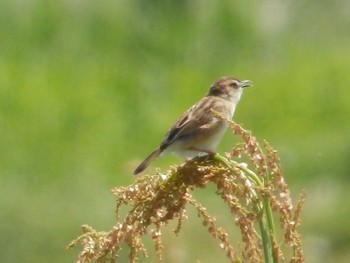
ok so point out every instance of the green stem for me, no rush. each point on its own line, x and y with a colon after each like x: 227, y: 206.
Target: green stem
x: 271, y: 224
x: 265, y: 240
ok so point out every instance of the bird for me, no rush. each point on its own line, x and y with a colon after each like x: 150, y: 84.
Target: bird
x: 198, y: 131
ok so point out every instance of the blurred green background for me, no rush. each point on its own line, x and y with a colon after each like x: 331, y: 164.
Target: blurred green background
x: 89, y: 88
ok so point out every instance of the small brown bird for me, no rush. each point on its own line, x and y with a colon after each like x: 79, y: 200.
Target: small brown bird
x: 198, y: 131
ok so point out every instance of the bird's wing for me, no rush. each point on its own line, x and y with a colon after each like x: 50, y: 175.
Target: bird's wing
x: 197, y: 116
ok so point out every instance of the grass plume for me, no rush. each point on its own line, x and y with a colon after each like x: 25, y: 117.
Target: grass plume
x: 256, y: 195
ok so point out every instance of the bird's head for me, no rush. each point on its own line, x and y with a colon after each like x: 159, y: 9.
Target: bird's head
x: 229, y: 88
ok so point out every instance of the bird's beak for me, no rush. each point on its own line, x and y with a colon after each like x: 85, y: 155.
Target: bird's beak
x: 245, y: 83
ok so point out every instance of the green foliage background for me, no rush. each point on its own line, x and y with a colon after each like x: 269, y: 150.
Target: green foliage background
x: 89, y: 88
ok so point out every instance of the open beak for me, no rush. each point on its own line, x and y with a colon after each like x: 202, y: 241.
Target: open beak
x: 245, y: 83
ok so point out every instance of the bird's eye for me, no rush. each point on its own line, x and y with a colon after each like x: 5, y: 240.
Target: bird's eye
x: 234, y: 84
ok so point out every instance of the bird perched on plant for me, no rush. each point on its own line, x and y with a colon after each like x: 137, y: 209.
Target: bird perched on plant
x: 198, y: 131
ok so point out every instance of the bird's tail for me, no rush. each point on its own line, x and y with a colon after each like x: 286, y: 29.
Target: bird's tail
x: 147, y: 161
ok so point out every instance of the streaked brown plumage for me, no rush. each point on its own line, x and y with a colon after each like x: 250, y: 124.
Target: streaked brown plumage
x: 198, y: 131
